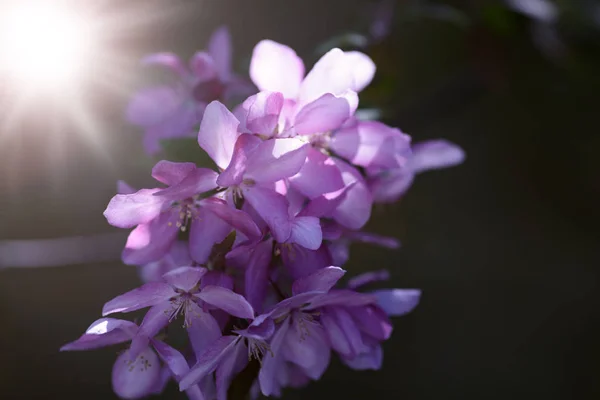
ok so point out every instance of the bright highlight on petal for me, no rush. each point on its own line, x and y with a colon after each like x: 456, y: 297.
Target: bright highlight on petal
x: 42, y: 43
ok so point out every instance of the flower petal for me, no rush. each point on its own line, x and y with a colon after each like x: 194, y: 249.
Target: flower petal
x: 219, y: 47
x: 320, y: 281
x: 199, y: 181
x: 276, y: 67
x: 171, y: 173
x: 206, y: 231
x: 167, y: 60
x: 150, y: 242
x: 218, y: 133
x: 153, y: 105
x: 208, y: 361
x: 318, y: 175
x: 238, y: 219
x: 184, y: 278
x: 203, y: 331
x: 397, y: 302
x: 324, y: 114
x: 267, y: 376
x: 306, y: 232
x: 146, y: 295
x: 355, y: 210
x: 231, y: 365
x: 391, y: 186
x: 368, y: 277
x: 103, y: 332
x: 300, y: 261
x: 172, y: 358
x: 336, y: 72
x: 435, y: 154
x: 373, y: 321
x: 372, y: 144
x: 256, y: 277
x: 345, y: 298
x: 135, y: 379
x: 203, y: 66
x: 227, y: 300
x: 272, y: 208
x: 155, y: 319
x: 365, y: 361
x: 276, y: 159
x: 129, y: 210
x: 234, y: 173
x: 363, y: 69
x: 307, y: 347
x: 263, y: 110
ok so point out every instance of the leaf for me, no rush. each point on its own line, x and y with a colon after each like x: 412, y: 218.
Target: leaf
x: 186, y: 150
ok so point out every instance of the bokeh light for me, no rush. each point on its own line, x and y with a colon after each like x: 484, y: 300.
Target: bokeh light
x: 42, y: 44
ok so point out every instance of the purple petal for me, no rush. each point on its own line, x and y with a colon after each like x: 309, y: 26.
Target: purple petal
x: 256, y: 277
x: 103, y: 332
x: 267, y: 376
x: 172, y: 358
x: 217, y: 278
x: 150, y: 242
x: 324, y: 114
x: 355, y: 210
x: 199, y: 181
x: 219, y: 47
x: 363, y: 69
x: 306, y: 232
x: 321, y: 281
x: 184, y: 278
x: 301, y: 262
x: 233, y: 363
x: 373, y: 321
x: 372, y: 144
x: 337, y: 72
x: 171, y: 173
x: 372, y: 238
x: 326, y: 204
x: 129, y: 210
x: 346, y: 298
x: 264, y: 109
x: 124, y: 188
x: 153, y: 105
x: 147, y: 295
x: 203, y: 66
x: 273, y: 209
x: 238, y: 219
x: 276, y: 68
x: 397, y: 302
x: 179, y: 123
x: 318, y: 175
x: 339, y: 250
x: 435, y: 154
x: 365, y: 361
x: 208, y: 361
x: 351, y: 332
x: 227, y: 300
x: 307, y: 347
x: 234, y: 174
x: 203, y: 331
x: 337, y: 337
x: 135, y: 379
x: 166, y: 60
x: 368, y: 277
x: 391, y: 186
x: 276, y: 159
x: 218, y: 133
x: 206, y: 231
x: 155, y: 319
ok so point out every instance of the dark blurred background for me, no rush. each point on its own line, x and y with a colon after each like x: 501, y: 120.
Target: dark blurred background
x: 505, y: 246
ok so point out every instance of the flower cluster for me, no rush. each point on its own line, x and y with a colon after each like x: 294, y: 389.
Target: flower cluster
x: 248, y: 254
